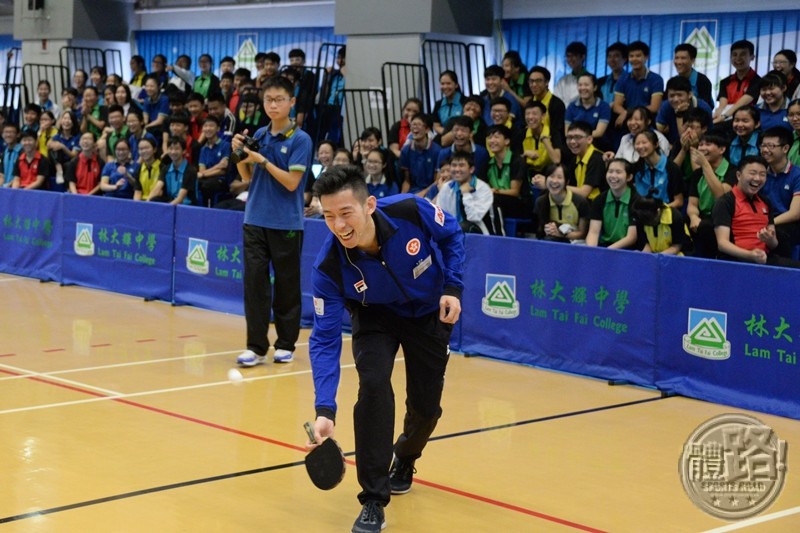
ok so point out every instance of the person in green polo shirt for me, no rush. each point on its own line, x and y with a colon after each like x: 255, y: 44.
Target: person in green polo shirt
x: 610, y: 223
x: 713, y: 178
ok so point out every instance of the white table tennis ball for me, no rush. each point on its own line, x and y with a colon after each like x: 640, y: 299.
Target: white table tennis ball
x: 234, y: 376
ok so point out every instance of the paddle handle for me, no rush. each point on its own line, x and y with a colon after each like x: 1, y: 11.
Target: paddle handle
x: 309, y: 427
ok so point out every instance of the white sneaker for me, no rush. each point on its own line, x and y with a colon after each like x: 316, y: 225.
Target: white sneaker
x: 283, y: 356
x: 250, y: 358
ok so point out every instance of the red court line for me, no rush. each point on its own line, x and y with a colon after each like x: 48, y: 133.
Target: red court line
x: 146, y: 340
x: 451, y: 490
x: 11, y: 372
x: 101, y: 345
x: 55, y: 350
x: 7, y: 354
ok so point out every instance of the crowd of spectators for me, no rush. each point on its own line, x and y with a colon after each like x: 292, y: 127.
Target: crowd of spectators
x: 629, y: 160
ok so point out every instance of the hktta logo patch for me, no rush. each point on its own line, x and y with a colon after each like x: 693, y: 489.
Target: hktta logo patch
x: 413, y: 246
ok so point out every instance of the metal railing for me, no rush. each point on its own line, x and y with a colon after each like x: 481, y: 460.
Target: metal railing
x: 467, y: 61
x: 363, y: 108
x: 33, y: 73
x: 402, y: 81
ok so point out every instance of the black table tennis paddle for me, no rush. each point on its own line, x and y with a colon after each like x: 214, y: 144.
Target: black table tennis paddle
x: 325, y: 463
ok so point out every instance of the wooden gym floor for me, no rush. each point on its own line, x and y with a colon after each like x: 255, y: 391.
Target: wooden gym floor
x: 117, y: 415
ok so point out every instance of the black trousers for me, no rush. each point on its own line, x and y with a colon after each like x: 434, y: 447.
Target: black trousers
x: 282, y: 249
x: 377, y: 335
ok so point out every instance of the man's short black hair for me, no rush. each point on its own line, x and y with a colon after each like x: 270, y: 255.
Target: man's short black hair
x: 538, y: 105
x: 639, y: 46
x: 696, y: 114
x: 717, y: 137
x: 340, y: 178
x: 216, y: 97
x: 461, y: 120
x: 371, y: 131
x: 576, y: 48
x: 116, y: 108
x: 70, y: 90
x: 620, y: 47
x: 174, y: 139
x: 279, y: 82
x: 242, y: 73
x: 212, y: 118
x: 195, y: 97
x: 475, y: 99
x: 541, y: 70
x: 744, y: 45
x: 179, y: 119
x: 177, y: 97
x: 461, y: 155
x: 425, y: 118
x: 581, y: 125
x: 502, y: 129
x: 296, y: 52
x: 272, y: 57
x: 260, y: 56
x: 679, y: 83
x: 227, y: 59
x: 783, y: 135
x: 686, y: 47
x: 227, y: 75
x: 499, y: 100
x: 33, y: 108
x: 494, y: 71
x: 750, y: 159
x: 27, y: 132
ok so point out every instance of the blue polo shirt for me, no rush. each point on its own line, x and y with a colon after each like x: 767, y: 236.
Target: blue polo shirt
x: 737, y: 150
x: 599, y: 112
x: 516, y: 110
x: 270, y: 204
x: 780, y: 188
x: 771, y: 119
x: 666, y: 117
x: 211, y: 155
x: 154, y: 109
x: 480, y: 157
x: 421, y: 164
x: 110, y: 170
x: 639, y: 92
x: 10, y: 158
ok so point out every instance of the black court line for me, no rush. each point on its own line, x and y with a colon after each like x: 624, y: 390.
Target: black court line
x: 222, y: 477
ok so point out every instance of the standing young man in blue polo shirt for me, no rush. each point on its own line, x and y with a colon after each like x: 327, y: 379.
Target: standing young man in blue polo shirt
x: 273, y: 226
x: 639, y: 87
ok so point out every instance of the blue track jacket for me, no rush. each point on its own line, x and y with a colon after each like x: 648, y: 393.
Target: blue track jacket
x: 422, y: 258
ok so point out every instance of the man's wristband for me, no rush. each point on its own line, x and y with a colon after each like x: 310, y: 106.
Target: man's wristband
x: 264, y: 163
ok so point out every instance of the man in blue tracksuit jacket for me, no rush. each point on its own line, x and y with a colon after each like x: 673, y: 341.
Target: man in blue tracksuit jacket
x: 396, y: 265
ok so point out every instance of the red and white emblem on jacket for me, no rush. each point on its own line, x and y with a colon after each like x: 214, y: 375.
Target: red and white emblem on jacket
x: 413, y: 246
x: 439, y: 215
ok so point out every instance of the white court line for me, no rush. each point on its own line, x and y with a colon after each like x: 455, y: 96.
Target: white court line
x: 30, y: 373
x: 9, y: 279
x: 755, y: 520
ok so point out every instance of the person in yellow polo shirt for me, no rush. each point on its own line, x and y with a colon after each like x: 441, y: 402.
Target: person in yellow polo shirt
x: 562, y: 216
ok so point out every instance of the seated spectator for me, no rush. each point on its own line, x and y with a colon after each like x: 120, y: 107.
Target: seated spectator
x: 226, y: 87
x: 207, y: 82
x: 694, y: 126
x: 158, y: 69
x: 541, y: 147
x: 117, y: 129
x: 493, y: 79
x: 32, y: 168
x: 746, y: 123
x: 227, y: 65
x: 331, y: 98
x: 343, y: 156
x: 372, y: 138
x: 213, y: 167
x: 109, y: 95
x: 197, y: 116
x: 616, y: 59
x: 82, y: 172
x: 589, y: 108
x: 227, y: 120
x: 155, y: 107
x: 122, y: 96
x: 793, y: 114
x: 639, y: 120
x: 466, y: 197
x: 138, y: 71
x: 374, y: 168
x: 115, y: 80
x: 683, y: 58
x: 639, y: 87
x: 43, y: 98
x: 178, y: 181
x: 240, y: 76
x: 65, y: 144
x: 743, y: 220
x: 680, y: 101
x: 774, y: 104
x: 473, y: 108
x: 399, y: 131
x: 538, y: 79
x: 659, y: 228
x: 740, y: 89
x: 272, y: 65
x: 584, y: 166
x: 251, y: 115
x: 785, y: 62
x: 655, y: 176
x: 507, y: 175
x: 782, y: 189
x: 79, y: 79
x: 418, y: 158
x: 30, y: 118
x: 713, y: 178
x: 501, y: 116
x: 561, y: 214
x: 69, y: 102
x: 179, y: 127
x: 97, y: 77
x: 47, y: 130
x: 567, y: 87
x: 117, y: 177
x: 451, y: 104
x: 135, y: 122
x: 93, y: 115
x: 10, y: 153
x: 325, y: 153
x: 610, y: 222
x: 515, y: 80
x: 149, y: 171
x: 183, y: 78
x: 461, y: 129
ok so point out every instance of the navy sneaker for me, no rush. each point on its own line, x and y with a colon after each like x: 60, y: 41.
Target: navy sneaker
x: 400, y: 475
x: 371, y: 519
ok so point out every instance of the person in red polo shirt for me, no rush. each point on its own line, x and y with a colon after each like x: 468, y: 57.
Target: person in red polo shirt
x: 83, y: 171
x: 743, y: 220
x: 31, y: 167
x: 740, y: 88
